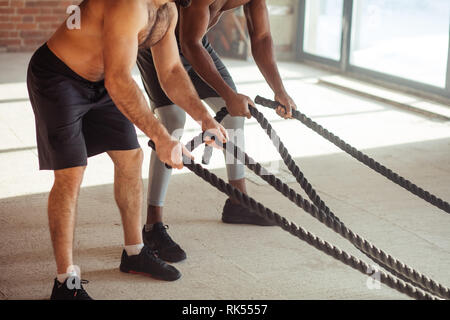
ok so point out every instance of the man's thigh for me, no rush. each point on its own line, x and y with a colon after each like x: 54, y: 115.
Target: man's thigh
x: 60, y: 140
x: 105, y: 128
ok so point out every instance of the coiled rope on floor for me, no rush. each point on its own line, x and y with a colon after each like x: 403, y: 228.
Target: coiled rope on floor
x: 319, y: 210
x: 365, y: 159
x: 296, y: 231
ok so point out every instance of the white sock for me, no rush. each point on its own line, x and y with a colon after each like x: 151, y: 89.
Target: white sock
x: 63, y: 276
x: 148, y: 227
x: 134, y: 249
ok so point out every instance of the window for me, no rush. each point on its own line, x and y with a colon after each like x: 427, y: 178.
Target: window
x: 404, y: 38
x: 323, y: 28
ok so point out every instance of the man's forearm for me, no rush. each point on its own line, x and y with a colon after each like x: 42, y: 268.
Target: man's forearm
x: 129, y: 99
x: 183, y: 93
x: 264, y: 56
x: 204, y: 65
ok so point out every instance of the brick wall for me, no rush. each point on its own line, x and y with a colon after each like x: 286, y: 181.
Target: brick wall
x: 26, y: 24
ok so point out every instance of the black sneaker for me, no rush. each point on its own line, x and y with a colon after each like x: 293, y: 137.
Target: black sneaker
x: 69, y: 291
x: 148, y: 264
x: 237, y: 214
x: 159, y: 240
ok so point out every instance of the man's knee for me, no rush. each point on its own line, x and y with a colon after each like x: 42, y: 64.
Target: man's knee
x: 69, y: 179
x: 128, y: 162
x: 138, y: 157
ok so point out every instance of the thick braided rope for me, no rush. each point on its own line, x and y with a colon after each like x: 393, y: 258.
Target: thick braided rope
x: 208, y: 149
x: 326, y: 216
x: 368, y: 161
x: 299, y: 232
x: 308, y: 188
x: 394, y: 266
x: 386, y: 261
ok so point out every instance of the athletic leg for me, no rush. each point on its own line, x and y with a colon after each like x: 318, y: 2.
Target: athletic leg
x: 62, y: 204
x: 235, y: 129
x: 233, y: 212
x: 173, y: 118
x: 107, y: 130
x: 155, y: 233
x: 128, y: 192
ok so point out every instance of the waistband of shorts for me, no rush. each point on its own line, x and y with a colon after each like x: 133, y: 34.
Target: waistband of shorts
x: 45, y: 58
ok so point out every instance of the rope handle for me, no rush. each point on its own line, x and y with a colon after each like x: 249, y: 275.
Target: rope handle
x: 192, y: 145
x: 152, y: 145
x: 268, y: 103
x: 207, y: 153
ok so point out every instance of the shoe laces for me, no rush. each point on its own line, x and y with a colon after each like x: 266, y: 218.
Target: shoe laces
x: 81, y: 293
x: 164, y: 236
x: 153, y: 255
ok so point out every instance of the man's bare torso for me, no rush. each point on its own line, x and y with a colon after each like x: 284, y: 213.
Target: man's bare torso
x: 82, y: 49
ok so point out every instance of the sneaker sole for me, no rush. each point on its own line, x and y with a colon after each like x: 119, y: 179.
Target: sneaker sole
x: 150, y: 275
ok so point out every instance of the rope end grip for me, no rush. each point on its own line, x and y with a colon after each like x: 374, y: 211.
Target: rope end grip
x: 268, y: 103
x: 152, y: 145
x: 207, y: 153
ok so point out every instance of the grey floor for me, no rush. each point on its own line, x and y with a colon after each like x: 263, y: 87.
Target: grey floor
x: 239, y: 262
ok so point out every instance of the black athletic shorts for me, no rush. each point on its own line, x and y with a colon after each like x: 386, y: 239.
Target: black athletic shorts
x: 156, y: 94
x: 75, y: 118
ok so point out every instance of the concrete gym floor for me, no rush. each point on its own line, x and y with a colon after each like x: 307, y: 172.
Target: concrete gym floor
x: 228, y: 261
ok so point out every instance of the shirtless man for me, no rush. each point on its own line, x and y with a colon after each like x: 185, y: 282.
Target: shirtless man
x: 85, y: 103
x: 215, y: 85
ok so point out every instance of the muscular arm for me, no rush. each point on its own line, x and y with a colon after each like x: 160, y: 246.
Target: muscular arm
x: 258, y: 25
x: 120, y: 53
x: 194, y: 23
x: 122, y: 23
x: 173, y: 77
x: 257, y: 17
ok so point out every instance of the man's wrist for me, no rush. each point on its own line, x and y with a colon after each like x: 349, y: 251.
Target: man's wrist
x: 280, y: 92
x: 160, y: 135
x: 228, y: 94
x: 201, y: 114
x: 206, y: 122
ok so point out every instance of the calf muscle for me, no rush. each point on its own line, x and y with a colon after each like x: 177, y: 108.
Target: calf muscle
x: 61, y: 214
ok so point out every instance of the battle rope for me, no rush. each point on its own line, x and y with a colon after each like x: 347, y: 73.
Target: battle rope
x: 299, y: 232
x: 322, y: 212
x: 371, y: 163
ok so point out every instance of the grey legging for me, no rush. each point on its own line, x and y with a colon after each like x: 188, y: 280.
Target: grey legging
x: 174, y: 118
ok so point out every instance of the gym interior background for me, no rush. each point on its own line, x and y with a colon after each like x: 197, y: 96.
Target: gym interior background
x: 375, y: 72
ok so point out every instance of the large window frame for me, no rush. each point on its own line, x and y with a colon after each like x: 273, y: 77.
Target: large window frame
x: 345, y: 67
